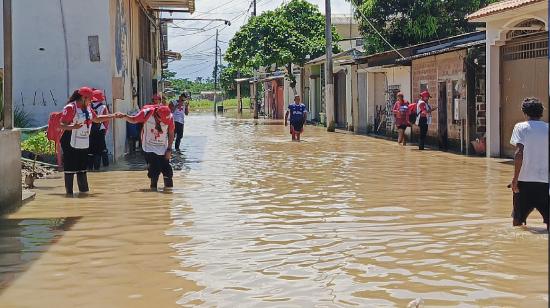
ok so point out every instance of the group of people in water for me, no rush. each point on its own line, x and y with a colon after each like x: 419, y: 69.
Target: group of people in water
x: 406, y: 114
x: 84, y: 122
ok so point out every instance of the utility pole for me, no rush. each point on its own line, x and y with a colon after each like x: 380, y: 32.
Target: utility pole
x: 254, y: 87
x: 216, y: 75
x: 329, y: 81
x: 8, y: 65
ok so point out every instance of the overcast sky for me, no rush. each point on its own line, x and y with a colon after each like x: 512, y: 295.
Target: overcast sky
x: 195, y: 40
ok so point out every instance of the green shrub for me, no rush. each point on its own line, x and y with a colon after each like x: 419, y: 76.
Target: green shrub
x: 38, y: 144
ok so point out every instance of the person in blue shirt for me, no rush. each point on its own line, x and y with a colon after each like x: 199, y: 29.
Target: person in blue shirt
x: 296, y: 113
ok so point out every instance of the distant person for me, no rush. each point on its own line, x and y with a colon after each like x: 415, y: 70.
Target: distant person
x: 98, y: 147
x: 297, y: 112
x: 180, y: 109
x: 156, y: 141
x: 424, y: 118
x: 530, y: 181
x: 401, y: 113
x: 76, y: 121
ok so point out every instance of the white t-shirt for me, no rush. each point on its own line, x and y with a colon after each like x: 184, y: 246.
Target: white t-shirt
x: 534, y: 137
x: 179, y: 113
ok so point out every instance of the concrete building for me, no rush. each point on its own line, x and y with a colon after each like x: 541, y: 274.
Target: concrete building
x: 517, y: 65
x: 113, y: 45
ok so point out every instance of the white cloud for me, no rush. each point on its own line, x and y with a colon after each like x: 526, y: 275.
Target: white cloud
x: 199, y: 60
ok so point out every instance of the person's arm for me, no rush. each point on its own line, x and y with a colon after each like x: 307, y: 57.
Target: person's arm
x: 101, y: 118
x: 518, y: 163
x: 395, y: 110
x: 138, y: 118
x: 171, y: 129
x: 66, y: 126
x: 67, y: 119
x: 286, y: 118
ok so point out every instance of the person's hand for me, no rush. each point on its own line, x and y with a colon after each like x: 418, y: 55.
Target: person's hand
x: 120, y: 115
x: 77, y: 125
x: 168, y: 155
x: 515, y: 187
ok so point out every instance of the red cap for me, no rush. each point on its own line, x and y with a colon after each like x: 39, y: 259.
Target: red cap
x: 164, y: 114
x: 156, y: 96
x: 425, y: 94
x: 86, y: 92
x: 400, y: 94
x: 98, y: 96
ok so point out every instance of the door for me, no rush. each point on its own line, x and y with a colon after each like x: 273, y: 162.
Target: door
x: 362, y: 96
x: 340, y: 99
x: 524, y: 74
x: 442, y: 133
x: 145, y: 85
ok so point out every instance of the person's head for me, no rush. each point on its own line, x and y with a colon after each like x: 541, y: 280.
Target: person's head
x: 82, y: 96
x: 400, y: 97
x: 98, y: 96
x: 297, y: 99
x: 425, y: 95
x: 157, y: 99
x: 532, y: 108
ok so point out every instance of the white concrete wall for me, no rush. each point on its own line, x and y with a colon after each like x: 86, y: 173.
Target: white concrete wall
x: 400, y: 75
x: 349, y: 97
x: 10, y: 170
x: 40, y: 66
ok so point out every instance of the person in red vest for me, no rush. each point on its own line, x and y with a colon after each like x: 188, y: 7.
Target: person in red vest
x: 76, y: 123
x: 424, y: 111
x: 157, y: 137
x: 98, y: 147
x: 401, y: 113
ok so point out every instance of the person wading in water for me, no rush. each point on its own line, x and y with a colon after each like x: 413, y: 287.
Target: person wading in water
x: 297, y: 112
x: 401, y: 113
x: 98, y: 148
x: 530, y: 181
x: 157, y: 137
x: 76, y: 121
x: 424, y: 112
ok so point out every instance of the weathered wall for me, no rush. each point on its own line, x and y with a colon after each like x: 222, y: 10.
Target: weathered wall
x: 424, y: 71
x: 10, y: 171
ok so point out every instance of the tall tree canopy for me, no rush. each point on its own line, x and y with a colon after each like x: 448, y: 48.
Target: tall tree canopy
x: 288, y: 34
x: 409, y: 22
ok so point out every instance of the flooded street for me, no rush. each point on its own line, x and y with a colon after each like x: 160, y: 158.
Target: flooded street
x: 258, y: 221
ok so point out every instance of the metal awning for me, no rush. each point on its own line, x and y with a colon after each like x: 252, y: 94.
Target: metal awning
x: 186, y: 5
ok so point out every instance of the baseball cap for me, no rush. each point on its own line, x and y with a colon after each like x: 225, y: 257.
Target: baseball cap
x: 98, y: 96
x: 425, y: 94
x: 85, y: 92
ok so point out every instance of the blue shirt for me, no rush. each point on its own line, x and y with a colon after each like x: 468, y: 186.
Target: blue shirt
x: 296, y: 112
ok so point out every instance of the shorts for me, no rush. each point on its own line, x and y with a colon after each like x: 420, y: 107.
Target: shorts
x: 532, y: 195
x: 403, y: 126
x: 296, y: 127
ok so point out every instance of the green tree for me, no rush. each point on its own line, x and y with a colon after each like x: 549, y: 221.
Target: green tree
x: 409, y: 22
x: 227, y: 80
x: 286, y: 35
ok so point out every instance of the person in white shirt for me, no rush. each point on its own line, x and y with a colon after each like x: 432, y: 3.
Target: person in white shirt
x: 180, y: 109
x: 530, y: 181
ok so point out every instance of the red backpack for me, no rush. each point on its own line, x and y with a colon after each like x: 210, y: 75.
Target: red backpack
x: 54, y: 126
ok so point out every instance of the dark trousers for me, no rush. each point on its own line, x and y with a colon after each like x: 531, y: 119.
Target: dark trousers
x: 179, y: 134
x: 423, y: 125
x: 98, y: 149
x: 159, y: 164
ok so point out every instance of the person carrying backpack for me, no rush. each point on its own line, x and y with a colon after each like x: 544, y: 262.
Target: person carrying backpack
x: 401, y: 113
x: 157, y: 137
x: 98, y: 148
x: 76, y: 123
x: 424, y: 117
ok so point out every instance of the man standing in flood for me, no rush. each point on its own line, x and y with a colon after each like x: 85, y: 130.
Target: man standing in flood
x: 297, y: 113
x: 530, y: 182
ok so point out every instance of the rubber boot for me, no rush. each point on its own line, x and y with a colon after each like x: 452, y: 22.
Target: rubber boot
x: 105, y: 158
x: 154, y: 182
x: 69, y: 179
x: 82, y: 180
x: 168, y: 182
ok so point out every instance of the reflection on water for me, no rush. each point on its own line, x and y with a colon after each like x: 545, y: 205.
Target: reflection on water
x: 256, y: 220
x: 22, y: 241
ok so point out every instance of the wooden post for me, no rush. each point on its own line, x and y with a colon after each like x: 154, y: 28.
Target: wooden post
x: 239, y: 101
x: 8, y: 66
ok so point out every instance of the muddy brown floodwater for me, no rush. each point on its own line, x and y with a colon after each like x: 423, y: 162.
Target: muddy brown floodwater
x: 258, y: 221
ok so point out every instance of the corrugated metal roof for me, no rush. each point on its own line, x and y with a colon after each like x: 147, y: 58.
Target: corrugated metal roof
x: 500, y: 6
x: 441, y: 51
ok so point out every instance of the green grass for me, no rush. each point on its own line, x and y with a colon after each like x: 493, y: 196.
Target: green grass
x: 206, y: 105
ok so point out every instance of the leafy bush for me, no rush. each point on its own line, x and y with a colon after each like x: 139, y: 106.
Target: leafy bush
x: 39, y: 144
x: 21, y: 118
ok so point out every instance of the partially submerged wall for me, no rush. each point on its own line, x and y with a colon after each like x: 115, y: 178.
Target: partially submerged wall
x: 10, y: 171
